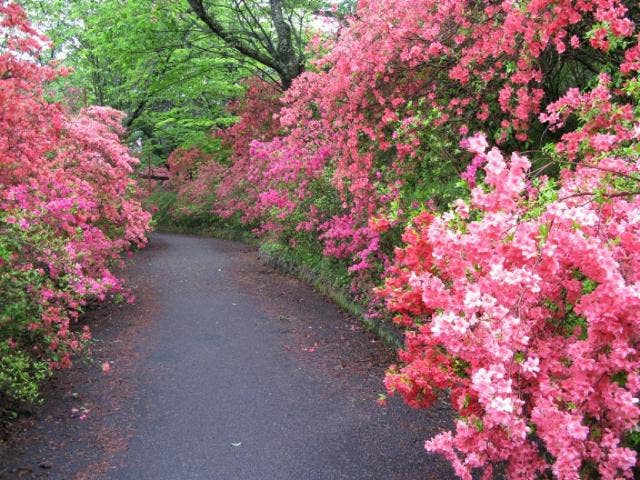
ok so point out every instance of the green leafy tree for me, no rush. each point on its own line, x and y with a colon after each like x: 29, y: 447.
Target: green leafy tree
x: 147, y: 59
x: 272, y: 35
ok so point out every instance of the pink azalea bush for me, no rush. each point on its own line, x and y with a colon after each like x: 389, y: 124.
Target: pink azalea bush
x: 522, y: 302
x: 67, y: 212
x: 236, y: 190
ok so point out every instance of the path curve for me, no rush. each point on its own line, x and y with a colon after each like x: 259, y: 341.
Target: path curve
x: 225, y: 369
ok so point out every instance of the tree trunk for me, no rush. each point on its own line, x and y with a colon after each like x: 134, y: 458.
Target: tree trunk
x: 287, y: 56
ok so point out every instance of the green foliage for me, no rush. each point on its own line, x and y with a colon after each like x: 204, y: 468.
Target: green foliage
x: 146, y: 58
x: 172, y: 216
x: 332, y: 272
x: 435, y: 173
x: 548, y: 192
x: 327, y: 277
x: 20, y: 374
x: 164, y: 202
x: 155, y: 60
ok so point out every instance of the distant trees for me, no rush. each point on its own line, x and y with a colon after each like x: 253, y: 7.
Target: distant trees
x: 172, y: 67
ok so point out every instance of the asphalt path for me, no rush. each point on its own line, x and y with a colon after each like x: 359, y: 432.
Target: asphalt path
x: 224, y: 369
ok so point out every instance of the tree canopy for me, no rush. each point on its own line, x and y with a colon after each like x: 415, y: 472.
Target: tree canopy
x: 172, y: 67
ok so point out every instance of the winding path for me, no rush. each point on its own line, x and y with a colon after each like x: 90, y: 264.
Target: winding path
x: 224, y: 369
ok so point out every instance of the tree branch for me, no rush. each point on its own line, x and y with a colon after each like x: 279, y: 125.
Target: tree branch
x: 231, y: 40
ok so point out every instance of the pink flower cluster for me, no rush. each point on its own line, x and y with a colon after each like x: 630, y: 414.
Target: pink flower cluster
x: 236, y: 190
x: 526, y: 309
x: 67, y: 209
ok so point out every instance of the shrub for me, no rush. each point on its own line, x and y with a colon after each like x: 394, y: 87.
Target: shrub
x: 522, y: 302
x: 67, y: 211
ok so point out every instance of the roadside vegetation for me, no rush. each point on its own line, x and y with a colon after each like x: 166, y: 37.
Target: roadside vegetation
x: 68, y: 210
